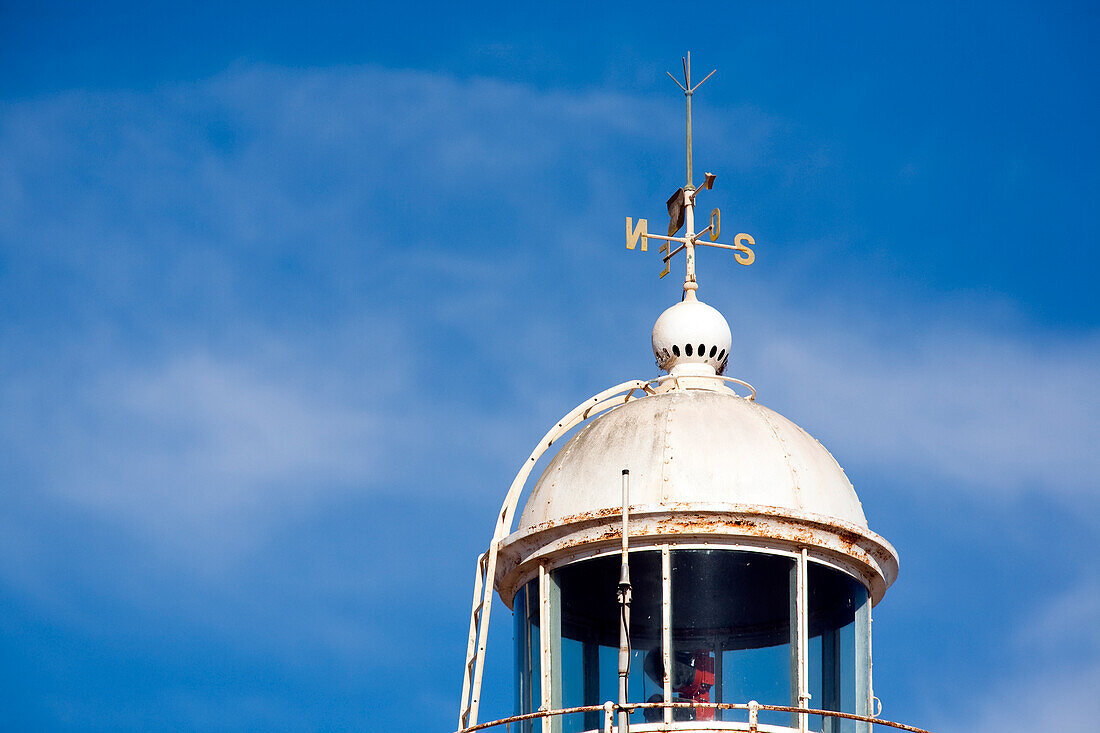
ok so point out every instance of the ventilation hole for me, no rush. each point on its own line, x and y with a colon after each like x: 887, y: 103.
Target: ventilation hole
x: 712, y: 350
x: 722, y: 355
x: 676, y: 350
x: 687, y: 349
x: 702, y: 350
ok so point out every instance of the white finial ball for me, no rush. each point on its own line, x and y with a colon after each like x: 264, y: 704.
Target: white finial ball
x: 691, y: 332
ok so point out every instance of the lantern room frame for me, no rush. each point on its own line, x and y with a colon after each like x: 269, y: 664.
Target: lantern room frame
x: 812, y: 538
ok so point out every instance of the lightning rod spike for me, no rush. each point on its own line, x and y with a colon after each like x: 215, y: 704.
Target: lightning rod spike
x: 704, y: 80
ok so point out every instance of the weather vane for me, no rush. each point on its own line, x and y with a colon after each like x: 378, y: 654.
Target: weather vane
x: 681, y: 211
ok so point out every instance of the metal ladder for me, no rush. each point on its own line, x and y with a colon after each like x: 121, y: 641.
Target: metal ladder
x: 469, y: 705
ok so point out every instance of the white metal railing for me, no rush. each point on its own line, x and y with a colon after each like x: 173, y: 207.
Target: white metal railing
x: 753, y: 726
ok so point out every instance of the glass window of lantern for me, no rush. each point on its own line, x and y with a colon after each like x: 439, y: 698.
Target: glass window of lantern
x: 525, y: 612
x: 731, y: 631
x: 839, y: 656
x: 590, y: 634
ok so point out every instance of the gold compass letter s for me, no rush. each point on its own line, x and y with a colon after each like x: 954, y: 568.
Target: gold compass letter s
x: 739, y: 244
x: 639, y: 232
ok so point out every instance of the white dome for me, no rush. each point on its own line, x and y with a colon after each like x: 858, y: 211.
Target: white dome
x: 691, y: 332
x: 697, y: 447
x: 705, y: 466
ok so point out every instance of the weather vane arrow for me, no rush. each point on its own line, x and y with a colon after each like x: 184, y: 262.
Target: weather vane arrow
x: 681, y: 211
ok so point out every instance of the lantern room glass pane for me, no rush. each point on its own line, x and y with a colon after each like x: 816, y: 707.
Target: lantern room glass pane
x: 731, y: 631
x: 839, y: 649
x: 525, y: 612
x: 589, y: 673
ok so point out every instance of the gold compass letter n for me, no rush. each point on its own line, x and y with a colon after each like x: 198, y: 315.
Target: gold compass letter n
x: 639, y: 232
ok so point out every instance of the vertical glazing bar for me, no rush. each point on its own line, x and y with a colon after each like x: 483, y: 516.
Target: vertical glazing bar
x: 871, y: 699
x: 795, y: 635
x: 803, y: 636
x: 544, y: 645
x: 553, y: 630
x: 666, y: 628
x: 863, y: 661
x: 717, y: 690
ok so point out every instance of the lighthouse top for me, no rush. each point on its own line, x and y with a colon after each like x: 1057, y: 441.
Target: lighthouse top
x: 710, y: 471
x: 705, y: 461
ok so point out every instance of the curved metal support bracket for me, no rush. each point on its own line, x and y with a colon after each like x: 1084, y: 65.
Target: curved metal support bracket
x: 486, y: 568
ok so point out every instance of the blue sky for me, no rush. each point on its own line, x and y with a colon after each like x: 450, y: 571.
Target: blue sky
x: 287, y: 294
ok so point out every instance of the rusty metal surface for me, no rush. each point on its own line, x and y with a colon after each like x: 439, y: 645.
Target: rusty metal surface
x: 856, y: 549
x: 691, y: 446
x: 821, y: 511
x: 712, y: 705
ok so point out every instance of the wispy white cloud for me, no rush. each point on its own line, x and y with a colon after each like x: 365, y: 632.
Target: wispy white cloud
x: 960, y: 407
x: 232, y: 302
x: 1066, y: 626
x: 189, y: 195
x: 198, y: 435
x: 1054, y: 682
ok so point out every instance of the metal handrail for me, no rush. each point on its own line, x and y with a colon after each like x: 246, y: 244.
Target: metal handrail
x: 675, y: 378
x: 752, y: 707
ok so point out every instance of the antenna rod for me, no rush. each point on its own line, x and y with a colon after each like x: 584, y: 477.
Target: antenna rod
x: 689, y: 90
x: 687, y: 93
x: 624, y: 615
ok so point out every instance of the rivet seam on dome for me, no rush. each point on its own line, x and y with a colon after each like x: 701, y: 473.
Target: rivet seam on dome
x: 786, y: 456
x: 666, y: 468
x: 836, y: 463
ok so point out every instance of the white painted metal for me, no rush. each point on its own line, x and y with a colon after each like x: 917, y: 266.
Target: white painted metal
x: 858, y: 552
x: 689, y: 324
x: 802, y: 639
x: 871, y: 666
x: 624, y: 606
x: 546, y: 676
x: 712, y: 726
x: 475, y: 613
x: 863, y: 661
x: 689, y: 222
x: 721, y: 448
x: 795, y: 599
x: 554, y: 630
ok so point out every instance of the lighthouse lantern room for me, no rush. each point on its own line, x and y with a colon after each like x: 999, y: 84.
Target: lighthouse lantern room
x: 689, y: 559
